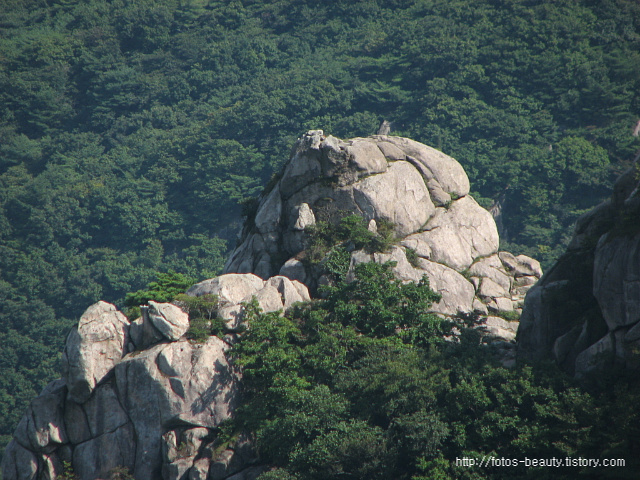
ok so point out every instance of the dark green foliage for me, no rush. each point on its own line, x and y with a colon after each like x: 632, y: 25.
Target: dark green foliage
x: 164, y: 289
x: 200, y: 330
x: 291, y: 365
x: 120, y: 473
x: 67, y: 472
x: 329, y: 399
x: 336, y: 262
x: 412, y: 256
x: 277, y: 474
x: 379, y: 305
x: 510, y: 316
x: 352, y: 448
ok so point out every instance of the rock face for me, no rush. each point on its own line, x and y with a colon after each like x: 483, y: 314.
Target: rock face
x: 422, y: 191
x: 585, y: 311
x: 140, y: 396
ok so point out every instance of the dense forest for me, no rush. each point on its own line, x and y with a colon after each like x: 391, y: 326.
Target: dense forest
x: 366, y: 384
x: 132, y: 132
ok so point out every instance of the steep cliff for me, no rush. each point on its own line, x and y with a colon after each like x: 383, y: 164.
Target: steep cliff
x: 585, y: 311
x: 141, y: 396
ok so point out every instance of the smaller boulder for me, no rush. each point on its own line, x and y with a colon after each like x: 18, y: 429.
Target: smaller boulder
x: 304, y: 217
x: 268, y: 298
x: 294, y: 269
x: 491, y: 289
x: 479, y: 307
x: 142, y: 333
x: 521, y: 265
x: 500, y: 328
x: 291, y: 291
x: 170, y: 320
x: 402, y: 269
x: 500, y: 304
x: 491, y: 267
x: 457, y: 292
x: 391, y: 152
x: 366, y: 157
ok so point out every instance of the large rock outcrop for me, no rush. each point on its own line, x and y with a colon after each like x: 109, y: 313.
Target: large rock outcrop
x: 585, y: 311
x: 421, y: 191
x: 141, y: 396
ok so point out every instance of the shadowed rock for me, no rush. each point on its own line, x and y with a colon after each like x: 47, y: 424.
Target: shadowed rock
x: 585, y: 311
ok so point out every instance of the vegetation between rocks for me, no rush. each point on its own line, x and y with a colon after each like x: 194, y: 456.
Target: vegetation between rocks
x: 351, y: 232
x: 204, y: 320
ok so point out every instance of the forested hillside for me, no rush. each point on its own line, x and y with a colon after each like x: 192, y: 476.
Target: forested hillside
x: 133, y: 131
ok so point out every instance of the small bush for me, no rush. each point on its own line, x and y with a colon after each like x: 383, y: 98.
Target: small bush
x: 165, y: 289
x: 412, y: 257
x: 67, y: 472
x: 204, y: 306
x: 351, y: 229
x: 120, y: 473
x: 277, y: 474
x: 203, y: 316
x: 336, y: 263
x: 386, y: 233
x: 508, y: 315
x: 199, y: 330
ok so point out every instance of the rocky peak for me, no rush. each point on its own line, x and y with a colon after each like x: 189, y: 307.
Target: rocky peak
x: 421, y: 191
